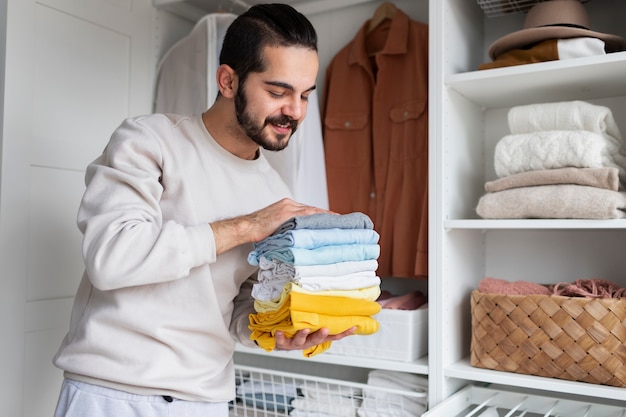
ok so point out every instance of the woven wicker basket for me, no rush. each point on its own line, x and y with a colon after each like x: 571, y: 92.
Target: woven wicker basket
x: 572, y: 338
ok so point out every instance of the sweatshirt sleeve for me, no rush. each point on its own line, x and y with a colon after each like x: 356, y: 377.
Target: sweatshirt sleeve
x: 126, y: 240
x: 243, y: 307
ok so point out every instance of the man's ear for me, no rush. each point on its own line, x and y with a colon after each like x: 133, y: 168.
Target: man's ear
x: 226, y: 80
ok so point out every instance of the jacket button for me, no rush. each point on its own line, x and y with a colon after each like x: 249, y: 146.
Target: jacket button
x: 372, y: 194
x: 347, y: 124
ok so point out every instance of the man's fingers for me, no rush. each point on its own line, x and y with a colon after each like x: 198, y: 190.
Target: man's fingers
x: 304, y: 339
x: 300, y: 338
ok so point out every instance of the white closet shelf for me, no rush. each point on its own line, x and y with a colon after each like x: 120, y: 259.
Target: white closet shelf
x: 594, y: 77
x: 544, y: 224
x: 419, y: 366
x: 463, y: 370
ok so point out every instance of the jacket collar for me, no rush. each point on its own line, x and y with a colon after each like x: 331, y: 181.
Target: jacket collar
x: 397, y: 40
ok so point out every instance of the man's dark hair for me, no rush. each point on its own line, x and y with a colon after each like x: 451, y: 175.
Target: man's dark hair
x: 260, y: 26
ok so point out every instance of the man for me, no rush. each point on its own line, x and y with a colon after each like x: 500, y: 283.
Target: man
x: 168, y: 216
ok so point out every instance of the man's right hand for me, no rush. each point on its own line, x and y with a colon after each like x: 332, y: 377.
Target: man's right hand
x: 258, y: 225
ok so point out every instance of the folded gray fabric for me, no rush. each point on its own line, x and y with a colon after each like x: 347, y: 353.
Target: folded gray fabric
x: 354, y: 220
x: 606, y: 177
x: 553, y: 202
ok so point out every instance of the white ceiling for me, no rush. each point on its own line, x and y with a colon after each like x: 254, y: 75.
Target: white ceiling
x: 195, y: 9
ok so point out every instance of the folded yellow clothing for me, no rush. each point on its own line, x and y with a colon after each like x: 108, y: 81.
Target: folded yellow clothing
x: 368, y: 293
x: 334, y: 303
x: 263, y: 333
x: 289, y: 320
x: 333, y: 306
x: 336, y: 324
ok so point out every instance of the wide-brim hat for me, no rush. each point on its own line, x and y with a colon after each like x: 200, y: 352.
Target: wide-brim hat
x: 554, y: 19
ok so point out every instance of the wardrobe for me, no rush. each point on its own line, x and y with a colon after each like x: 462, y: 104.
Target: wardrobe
x: 72, y: 69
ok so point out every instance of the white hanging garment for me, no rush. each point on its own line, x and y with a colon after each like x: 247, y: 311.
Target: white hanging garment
x: 186, y: 85
x: 186, y: 74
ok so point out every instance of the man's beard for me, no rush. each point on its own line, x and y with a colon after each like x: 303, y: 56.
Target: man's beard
x: 255, y: 131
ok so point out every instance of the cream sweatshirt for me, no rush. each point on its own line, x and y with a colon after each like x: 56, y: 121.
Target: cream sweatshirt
x: 156, y: 311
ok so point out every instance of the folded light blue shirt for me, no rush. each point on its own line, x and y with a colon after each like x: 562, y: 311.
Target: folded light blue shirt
x: 323, y: 255
x: 315, y: 238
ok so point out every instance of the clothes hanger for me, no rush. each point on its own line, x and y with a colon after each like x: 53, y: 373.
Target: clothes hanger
x: 241, y: 3
x: 385, y: 11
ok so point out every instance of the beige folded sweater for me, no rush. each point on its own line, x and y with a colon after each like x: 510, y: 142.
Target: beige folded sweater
x: 606, y: 177
x: 553, y: 202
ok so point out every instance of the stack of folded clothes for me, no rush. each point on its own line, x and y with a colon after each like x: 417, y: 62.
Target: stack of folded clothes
x: 548, y: 50
x: 320, y: 399
x: 316, y: 271
x: 563, y: 160
x: 392, y: 401
x: 267, y: 395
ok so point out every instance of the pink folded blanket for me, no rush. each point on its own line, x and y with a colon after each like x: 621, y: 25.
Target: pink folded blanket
x: 591, y: 288
x: 489, y: 285
x: 410, y: 301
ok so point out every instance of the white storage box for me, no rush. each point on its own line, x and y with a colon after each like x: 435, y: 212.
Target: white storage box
x: 403, y: 336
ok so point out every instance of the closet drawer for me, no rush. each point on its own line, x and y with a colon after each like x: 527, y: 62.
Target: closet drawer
x: 491, y: 402
x: 403, y: 336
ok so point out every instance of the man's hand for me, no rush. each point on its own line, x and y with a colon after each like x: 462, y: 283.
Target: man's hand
x: 258, y: 225
x: 304, y: 339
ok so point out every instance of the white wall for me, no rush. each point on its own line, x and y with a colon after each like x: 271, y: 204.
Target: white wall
x: 74, y: 69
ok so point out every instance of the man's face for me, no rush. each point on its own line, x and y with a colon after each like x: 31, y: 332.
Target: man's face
x: 271, y: 105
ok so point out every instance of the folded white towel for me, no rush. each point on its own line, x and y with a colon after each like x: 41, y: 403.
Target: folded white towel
x: 270, y: 290
x: 385, y: 404
x: 393, y: 407
x: 323, y: 390
x: 568, y: 115
x: 522, y: 152
x: 337, y: 406
x: 400, y: 380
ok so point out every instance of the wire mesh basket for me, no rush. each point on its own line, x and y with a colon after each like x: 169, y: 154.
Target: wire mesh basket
x: 474, y: 401
x: 494, y: 8
x: 268, y: 393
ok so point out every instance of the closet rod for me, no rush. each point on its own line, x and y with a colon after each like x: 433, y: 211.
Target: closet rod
x: 320, y: 6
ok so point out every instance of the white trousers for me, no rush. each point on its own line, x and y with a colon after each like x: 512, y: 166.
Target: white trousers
x: 79, y: 399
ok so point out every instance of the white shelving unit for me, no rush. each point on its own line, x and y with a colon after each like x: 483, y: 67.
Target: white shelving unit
x: 468, y: 111
x: 467, y: 117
